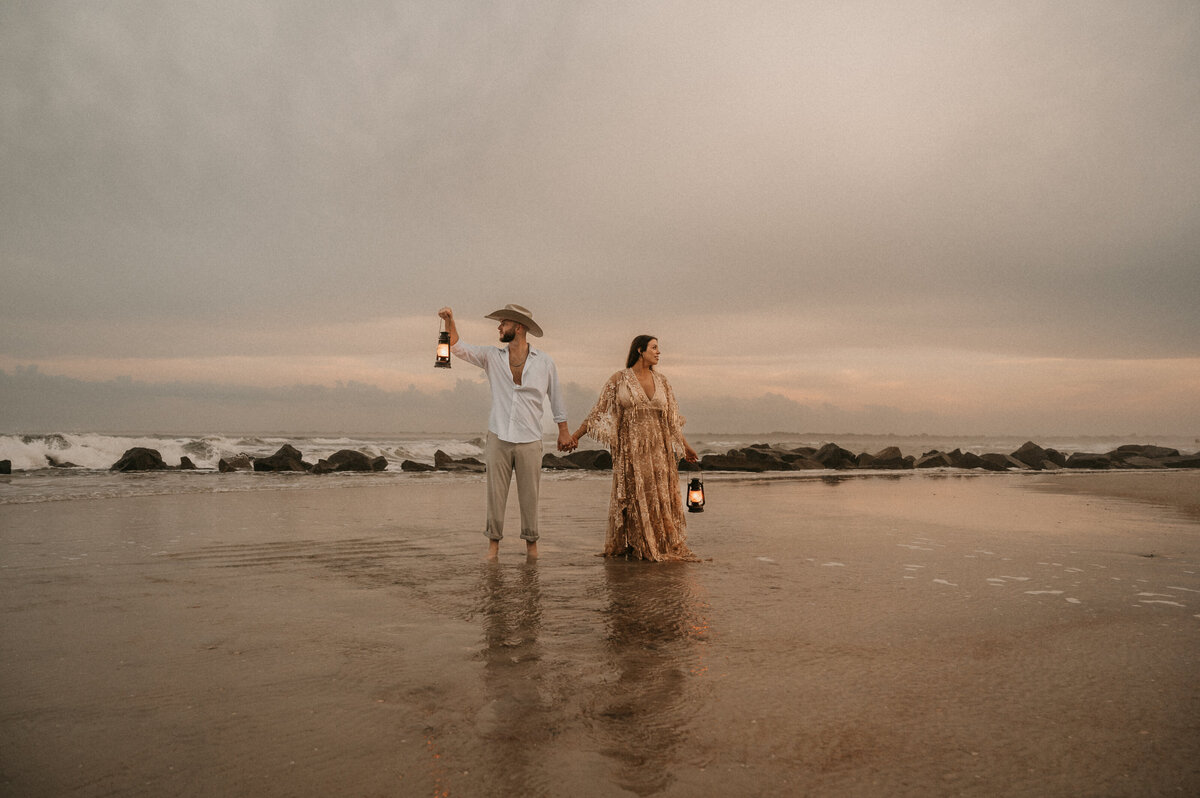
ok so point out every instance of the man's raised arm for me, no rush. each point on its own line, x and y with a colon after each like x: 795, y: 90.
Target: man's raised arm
x: 447, y: 315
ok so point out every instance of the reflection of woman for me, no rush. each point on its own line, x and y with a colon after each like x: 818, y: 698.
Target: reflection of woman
x: 638, y: 420
x: 656, y: 649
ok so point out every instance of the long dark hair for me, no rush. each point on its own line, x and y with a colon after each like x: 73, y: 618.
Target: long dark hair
x: 637, y: 347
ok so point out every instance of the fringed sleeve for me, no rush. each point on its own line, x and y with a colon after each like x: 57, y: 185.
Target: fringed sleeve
x: 601, y: 422
x: 674, y: 420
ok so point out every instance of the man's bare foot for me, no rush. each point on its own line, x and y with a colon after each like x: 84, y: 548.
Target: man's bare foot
x: 531, y: 549
x: 493, y: 549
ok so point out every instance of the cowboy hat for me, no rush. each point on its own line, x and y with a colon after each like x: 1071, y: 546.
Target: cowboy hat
x: 518, y: 314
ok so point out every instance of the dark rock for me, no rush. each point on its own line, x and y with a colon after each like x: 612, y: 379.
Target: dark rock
x: 1002, y: 462
x: 1135, y: 450
x: 140, y: 459
x: 1137, y: 461
x: 1089, y: 460
x: 1057, y: 457
x: 350, y: 460
x: 890, y: 458
x: 56, y: 463
x: 833, y: 456
x: 684, y: 465
x: 594, y: 459
x: 288, y: 458
x: 1032, y: 455
x: 5, y: 466
x: 972, y: 460
x: 771, y: 459
x: 799, y: 458
x: 444, y: 462
x: 414, y: 466
x: 186, y: 464
x: 751, y: 460
x: 758, y: 452
x: 725, y: 462
x: 560, y: 463
x: 798, y: 462
x: 1039, y: 459
x: 934, y: 460
x: 1182, y: 461
x: 238, y: 462
x: 962, y: 459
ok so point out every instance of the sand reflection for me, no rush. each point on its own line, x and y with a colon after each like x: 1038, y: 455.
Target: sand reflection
x: 514, y: 724
x: 656, y: 626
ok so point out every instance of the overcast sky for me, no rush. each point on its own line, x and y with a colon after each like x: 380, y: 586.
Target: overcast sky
x: 946, y: 217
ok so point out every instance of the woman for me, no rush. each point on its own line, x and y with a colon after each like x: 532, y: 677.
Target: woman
x: 638, y: 420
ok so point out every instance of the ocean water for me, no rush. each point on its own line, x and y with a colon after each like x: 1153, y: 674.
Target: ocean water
x: 63, y: 466
x: 965, y: 633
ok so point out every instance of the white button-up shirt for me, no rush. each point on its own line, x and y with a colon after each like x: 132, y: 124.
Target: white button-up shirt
x: 517, y: 409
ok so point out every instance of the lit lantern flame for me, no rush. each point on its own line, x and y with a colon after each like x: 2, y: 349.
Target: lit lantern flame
x: 695, y: 496
x: 443, y: 350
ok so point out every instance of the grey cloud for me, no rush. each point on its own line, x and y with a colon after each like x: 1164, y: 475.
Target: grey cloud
x: 1022, y: 173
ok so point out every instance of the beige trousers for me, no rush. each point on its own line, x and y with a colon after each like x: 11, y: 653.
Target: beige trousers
x: 503, y: 460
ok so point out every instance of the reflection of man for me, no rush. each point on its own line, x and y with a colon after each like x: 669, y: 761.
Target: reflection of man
x: 521, y: 378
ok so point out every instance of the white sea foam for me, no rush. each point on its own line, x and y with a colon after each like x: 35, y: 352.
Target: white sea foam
x: 1044, y: 592
x: 1161, y: 601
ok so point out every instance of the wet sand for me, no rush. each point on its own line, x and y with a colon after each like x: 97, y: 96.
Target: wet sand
x: 921, y: 634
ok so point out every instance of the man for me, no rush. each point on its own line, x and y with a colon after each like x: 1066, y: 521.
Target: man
x: 521, y: 379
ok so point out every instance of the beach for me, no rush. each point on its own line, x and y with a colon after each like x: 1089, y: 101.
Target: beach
x: 934, y: 633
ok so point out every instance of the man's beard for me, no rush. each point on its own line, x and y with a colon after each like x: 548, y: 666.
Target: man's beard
x: 507, y: 337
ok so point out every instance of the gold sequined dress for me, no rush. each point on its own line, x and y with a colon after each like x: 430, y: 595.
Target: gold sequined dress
x: 646, y: 519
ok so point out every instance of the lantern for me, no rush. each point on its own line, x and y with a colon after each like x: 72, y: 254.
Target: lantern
x: 443, y: 349
x: 695, y: 496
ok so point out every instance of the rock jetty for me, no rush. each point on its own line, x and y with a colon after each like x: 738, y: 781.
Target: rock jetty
x: 1028, y: 457
x: 758, y: 458
x: 288, y: 458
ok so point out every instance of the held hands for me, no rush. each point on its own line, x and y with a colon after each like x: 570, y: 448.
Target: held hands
x: 566, y: 442
x: 690, y: 455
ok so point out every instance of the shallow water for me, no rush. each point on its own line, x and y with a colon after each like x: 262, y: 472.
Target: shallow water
x: 907, y: 635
